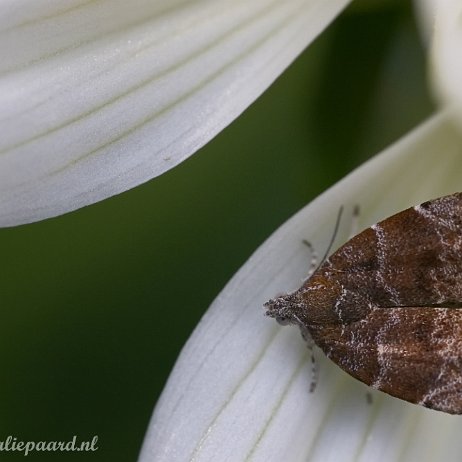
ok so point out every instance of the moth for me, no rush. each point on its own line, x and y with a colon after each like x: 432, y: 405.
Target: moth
x: 387, y: 306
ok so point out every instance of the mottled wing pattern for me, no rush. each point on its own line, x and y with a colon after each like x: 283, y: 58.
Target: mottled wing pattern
x: 413, y: 258
x: 412, y: 353
x: 387, y: 306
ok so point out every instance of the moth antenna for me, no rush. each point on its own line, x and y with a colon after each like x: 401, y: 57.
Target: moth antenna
x: 334, y: 235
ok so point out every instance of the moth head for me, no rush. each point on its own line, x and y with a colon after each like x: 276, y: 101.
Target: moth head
x: 285, y: 309
x: 313, y: 303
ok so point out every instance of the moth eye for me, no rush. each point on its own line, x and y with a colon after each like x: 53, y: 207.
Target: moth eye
x: 283, y: 320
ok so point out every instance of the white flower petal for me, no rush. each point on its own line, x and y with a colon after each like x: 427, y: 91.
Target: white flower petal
x: 239, y: 390
x: 446, y: 60
x: 426, y: 16
x: 98, y: 97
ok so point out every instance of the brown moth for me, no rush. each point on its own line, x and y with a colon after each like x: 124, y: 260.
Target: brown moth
x: 387, y: 306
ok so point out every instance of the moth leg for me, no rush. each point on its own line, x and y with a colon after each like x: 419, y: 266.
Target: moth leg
x: 354, y: 221
x: 369, y: 399
x: 314, y: 260
x: 314, y: 365
x: 314, y: 371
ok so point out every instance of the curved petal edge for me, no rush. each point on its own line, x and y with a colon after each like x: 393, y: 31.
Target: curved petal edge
x: 98, y: 97
x: 240, y: 388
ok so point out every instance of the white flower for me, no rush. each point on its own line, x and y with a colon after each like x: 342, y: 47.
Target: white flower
x: 98, y: 97
x: 239, y: 390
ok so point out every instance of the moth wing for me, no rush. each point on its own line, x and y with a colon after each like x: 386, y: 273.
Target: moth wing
x: 413, y: 258
x: 412, y: 353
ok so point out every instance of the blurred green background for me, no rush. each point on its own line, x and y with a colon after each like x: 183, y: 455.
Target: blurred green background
x: 97, y: 304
